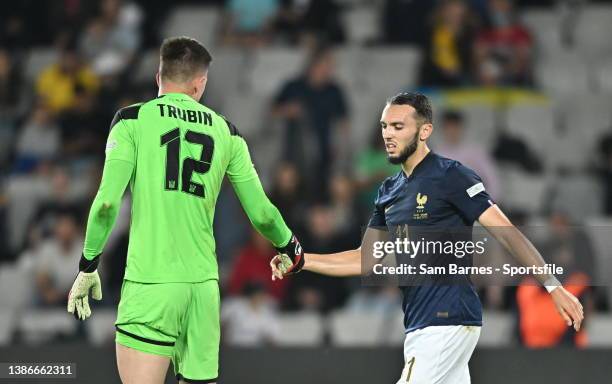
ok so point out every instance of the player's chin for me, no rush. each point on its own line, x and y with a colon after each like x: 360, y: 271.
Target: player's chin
x: 393, y: 158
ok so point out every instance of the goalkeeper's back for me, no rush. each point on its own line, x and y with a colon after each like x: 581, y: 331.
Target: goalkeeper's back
x: 181, y: 151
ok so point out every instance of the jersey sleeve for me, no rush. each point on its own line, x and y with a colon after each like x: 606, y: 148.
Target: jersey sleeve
x: 466, y: 192
x: 120, y: 143
x: 262, y: 214
x: 378, y: 215
x: 106, y: 204
x: 240, y: 168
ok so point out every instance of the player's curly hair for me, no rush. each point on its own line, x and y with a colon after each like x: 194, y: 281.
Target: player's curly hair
x: 183, y: 58
x: 416, y: 100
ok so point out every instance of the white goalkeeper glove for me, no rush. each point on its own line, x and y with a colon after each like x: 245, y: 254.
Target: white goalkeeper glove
x: 86, y: 281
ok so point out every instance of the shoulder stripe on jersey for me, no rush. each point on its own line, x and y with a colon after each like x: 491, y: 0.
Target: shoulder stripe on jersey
x: 232, y: 128
x: 127, y: 113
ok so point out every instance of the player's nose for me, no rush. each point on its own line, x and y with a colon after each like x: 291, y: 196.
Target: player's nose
x: 387, y: 135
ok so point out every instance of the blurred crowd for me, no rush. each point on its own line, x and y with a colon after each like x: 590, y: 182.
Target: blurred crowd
x: 54, y: 120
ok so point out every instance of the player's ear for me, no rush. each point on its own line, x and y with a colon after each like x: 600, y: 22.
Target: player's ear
x: 425, y: 131
x: 157, y: 79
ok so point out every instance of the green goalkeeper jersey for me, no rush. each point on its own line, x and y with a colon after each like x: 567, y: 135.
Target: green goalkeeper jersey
x: 175, y: 152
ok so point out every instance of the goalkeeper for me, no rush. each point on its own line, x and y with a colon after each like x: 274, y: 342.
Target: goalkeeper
x: 174, y: 154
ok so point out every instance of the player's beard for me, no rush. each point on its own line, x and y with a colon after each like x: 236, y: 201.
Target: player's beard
x: 406, y: 152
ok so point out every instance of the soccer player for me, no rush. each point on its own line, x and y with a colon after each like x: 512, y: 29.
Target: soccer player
x: 174, y: 153
x: 442, y: 321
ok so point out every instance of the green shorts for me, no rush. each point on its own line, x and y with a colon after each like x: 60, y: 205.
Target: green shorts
x: 178, y: 320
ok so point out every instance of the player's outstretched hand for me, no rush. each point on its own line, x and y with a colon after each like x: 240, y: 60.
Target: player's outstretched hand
x: 290, y: 259
x: 568, y: 306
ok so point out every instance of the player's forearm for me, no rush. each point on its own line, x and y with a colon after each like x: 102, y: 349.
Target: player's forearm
x: 262, y: 214
x: 105, y: 207
x: 346, y: 263
x: 522, y: 250
x: 498, y: 224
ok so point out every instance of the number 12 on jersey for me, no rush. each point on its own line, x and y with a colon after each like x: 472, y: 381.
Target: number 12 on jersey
x: 172, y: 141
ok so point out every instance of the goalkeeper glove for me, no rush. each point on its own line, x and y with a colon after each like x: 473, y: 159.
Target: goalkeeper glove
x: 291, y: 257
x: 86, y: 281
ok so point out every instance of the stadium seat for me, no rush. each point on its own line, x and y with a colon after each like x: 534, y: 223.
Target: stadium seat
x: 389, y: 69
x: 603, y: 76
x: 365, y: 112
x: 100, y: 327
x: 248, y: 112
x: 599, y: 328
x: 497, y: 329
x: 534, y: 123
x: 394, y: 333
x: 357, y: 329
x: 593, y: 30
x: 569, y: 150
x: 564, y: 73
x: 579, y: 196
x: 361, y: 23
x: 227, y: 72
x: 347, y: 72
x: 42, y: 325
x: 545, y: 25
x: 272, y: 67
x: 7, y: 325
x: 523, y: 191
x: 481, y: 125
x: 147, y: 67
x: 15, y: 287
x: 199, y: 22
x: 39, y: 59
x: 599, y: 230
x: 300, y: 329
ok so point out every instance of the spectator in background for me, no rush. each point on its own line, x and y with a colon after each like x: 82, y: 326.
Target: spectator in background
x: 540, y: 326
x: 322, y: 21
x: 454, y: 146
x: 510, y: 149
x: 63, y: 199
x: 314, y: 292
x: 404, y: 22
x: 67, y: 85
x: 252, y: 266
x: 11, y: 86
x: 111, y: 39
x: 503, y: 51
x: 309, y: 21
x: 20, y: 27
x: 70, y: 89
x: 38, y: 140
x: 55, y: 260
x: 448, y: 49
x: 288, y: 194
x: 11, y: 103
x: 344, y: 208
x: 605, y: 170
x: 372, y: 167
x: 313, y: 106
x: 71, y: 15
x: 249, y: 320
x: 249, y: 22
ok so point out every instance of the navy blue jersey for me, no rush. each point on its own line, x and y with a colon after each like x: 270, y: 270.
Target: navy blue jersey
x: 442, y: 194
